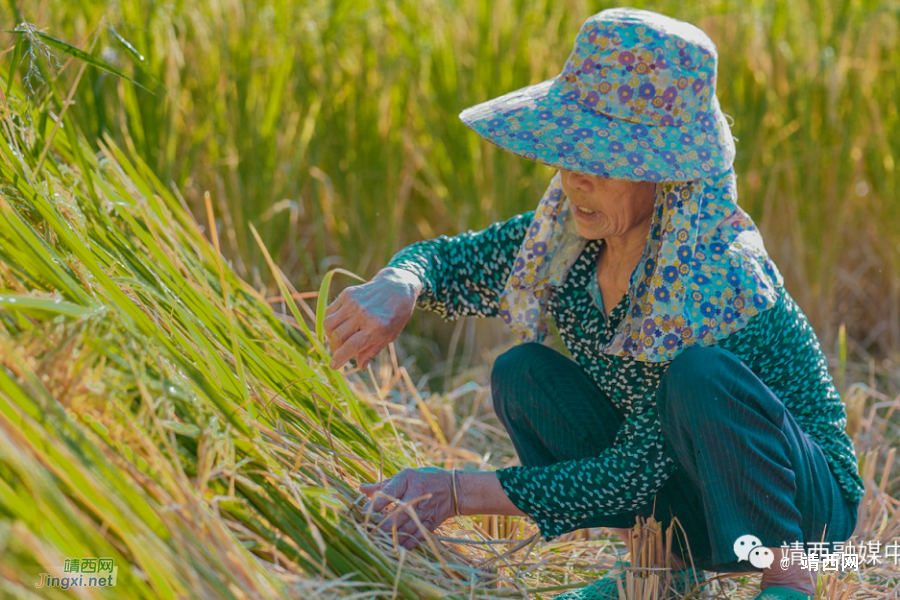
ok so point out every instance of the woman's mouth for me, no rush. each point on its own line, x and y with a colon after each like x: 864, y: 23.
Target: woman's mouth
x: 586, y: 214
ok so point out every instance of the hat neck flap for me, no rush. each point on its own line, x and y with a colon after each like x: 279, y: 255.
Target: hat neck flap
x: 703, y: 275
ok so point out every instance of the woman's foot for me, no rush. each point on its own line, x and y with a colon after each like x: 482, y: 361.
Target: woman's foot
x: 775, y: 592
x: 794, y: 577
x: 607, y: 588
x: 604, y: 589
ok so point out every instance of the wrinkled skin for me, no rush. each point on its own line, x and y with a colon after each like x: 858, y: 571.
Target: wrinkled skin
x: 433, y: 489
x: 365, y: 318
x: 625, y: 207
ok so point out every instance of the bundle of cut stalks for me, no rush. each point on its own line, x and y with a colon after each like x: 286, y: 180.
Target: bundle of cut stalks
x: 650, y: 575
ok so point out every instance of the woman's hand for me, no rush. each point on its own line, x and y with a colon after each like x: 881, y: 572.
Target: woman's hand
x: 429, y: 487
x: 365, y: 318
x: 479, y: 493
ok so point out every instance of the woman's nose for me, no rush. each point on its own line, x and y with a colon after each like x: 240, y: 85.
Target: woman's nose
x: 574, y: 180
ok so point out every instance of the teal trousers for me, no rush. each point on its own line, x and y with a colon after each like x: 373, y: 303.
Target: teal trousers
x: 744, y: 464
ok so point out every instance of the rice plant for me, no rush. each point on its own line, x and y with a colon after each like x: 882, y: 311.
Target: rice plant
x: 155, y: 411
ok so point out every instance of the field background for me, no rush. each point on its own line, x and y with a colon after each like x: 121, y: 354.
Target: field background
x: 331, y: 129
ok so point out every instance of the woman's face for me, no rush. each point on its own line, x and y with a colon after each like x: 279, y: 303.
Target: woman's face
x: 605, y: 208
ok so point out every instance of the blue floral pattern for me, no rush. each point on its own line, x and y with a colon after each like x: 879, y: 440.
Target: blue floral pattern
x: 703, y: 275
x: 635, y: 100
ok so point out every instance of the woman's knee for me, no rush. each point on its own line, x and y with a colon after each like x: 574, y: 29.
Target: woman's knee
x: 693, y: 370
x: 510, y: 370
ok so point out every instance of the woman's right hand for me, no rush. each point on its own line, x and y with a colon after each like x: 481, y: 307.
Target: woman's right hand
x: 365, y: 318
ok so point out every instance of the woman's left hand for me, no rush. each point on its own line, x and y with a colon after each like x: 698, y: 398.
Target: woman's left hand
x: 406, y: 486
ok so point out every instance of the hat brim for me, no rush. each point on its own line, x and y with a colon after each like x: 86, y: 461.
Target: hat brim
x: 538, y: 123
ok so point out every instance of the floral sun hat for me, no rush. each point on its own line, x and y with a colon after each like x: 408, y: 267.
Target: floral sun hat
x: 636, y: 100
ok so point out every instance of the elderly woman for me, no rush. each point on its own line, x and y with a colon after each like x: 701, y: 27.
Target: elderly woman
x: 698, y: 389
